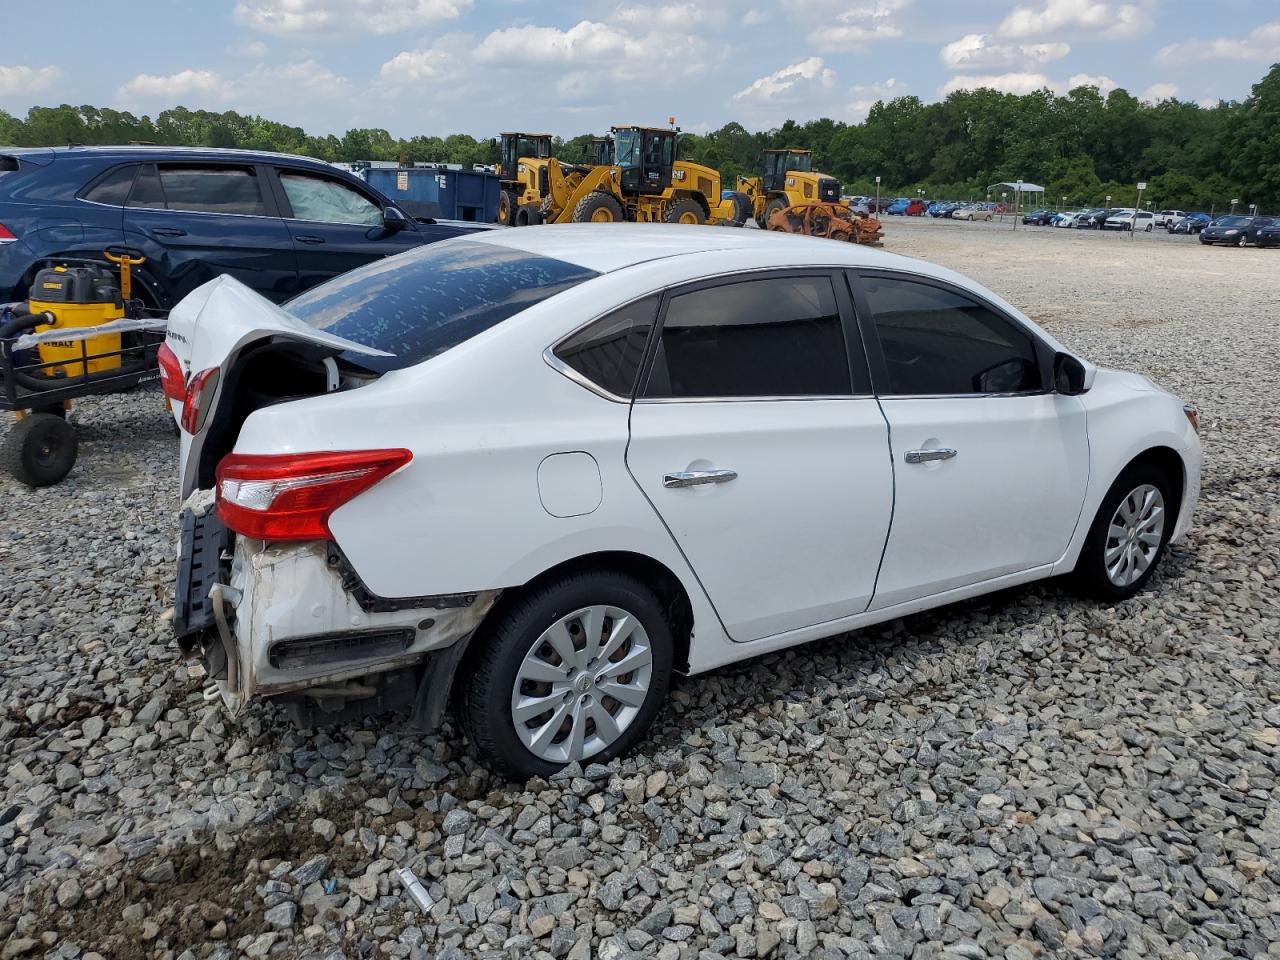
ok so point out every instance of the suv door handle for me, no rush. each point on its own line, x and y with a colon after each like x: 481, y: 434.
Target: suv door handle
x: 925, y: 456
x: 168, y: 232
x: 695, y: 478
x: 308, y: 238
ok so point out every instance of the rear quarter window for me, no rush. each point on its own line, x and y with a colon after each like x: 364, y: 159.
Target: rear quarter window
x: 425, y: 302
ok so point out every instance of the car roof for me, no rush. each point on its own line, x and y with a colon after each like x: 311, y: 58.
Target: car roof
x: 158, y: 152
x: 606, y: 247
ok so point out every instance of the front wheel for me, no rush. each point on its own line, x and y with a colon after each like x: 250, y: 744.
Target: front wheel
x: 1242, y: 241
x: 574, y: 671
x: 1129, y: 535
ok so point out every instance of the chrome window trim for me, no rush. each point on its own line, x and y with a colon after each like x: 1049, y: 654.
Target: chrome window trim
x: 559, y: 366
x: 765, y: 399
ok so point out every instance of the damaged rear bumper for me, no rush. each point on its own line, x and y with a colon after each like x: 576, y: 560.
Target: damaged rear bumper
x: 288, y: 620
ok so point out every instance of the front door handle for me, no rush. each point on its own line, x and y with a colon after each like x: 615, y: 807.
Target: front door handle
x: 309, y: 239
x: 927, y: 455
x: 169, y: 232
x: 695, y: 478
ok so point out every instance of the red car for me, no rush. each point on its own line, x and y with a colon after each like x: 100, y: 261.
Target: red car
x: 916, y: 208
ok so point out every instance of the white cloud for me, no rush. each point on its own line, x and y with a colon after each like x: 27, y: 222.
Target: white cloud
x: 250, y: 49
x: 1262, y: 43
x: 866, y: 96
x: 288, y: 17
x: 668, y: 16
x: 840, y: 27
x: 788, y: 83
x: 24, y: 79
x: 1019, y: 83
x: 1054, y: 18
x: 205, y: 85
x: 416, y: 66
x: 651, y: 56
x: 263, y: 87
x: 1159, y: 91
x: 1104, y: 83
x: 977, y: 50
x: 754, y: 17
x: 1022, y: 83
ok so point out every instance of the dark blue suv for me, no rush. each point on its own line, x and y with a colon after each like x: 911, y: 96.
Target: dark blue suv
x: 278, y: 223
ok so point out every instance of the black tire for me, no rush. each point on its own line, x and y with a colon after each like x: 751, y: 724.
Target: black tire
x: 487, y: 683
x: 547, y: 210
x: 506, y: 207
x: 686, y: 210
x: 1091, y: 572
x: 40, y: 449
x: 598, y: 207
x: 528, y: 215
x: 741, y: 208
x: 777, y: 203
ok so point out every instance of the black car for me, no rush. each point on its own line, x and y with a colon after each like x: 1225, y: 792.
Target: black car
x: 280, y: 224
x: 1096, y: 219
x: 1235, y: 230
x: 1192, y: 223
x: 1268, y: 235
x: 1040, y: 218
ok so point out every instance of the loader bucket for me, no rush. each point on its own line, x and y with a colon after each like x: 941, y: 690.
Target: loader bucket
x: 832, y: 220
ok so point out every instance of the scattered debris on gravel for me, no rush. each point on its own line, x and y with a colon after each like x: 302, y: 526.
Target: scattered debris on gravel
x: 1026, y: 775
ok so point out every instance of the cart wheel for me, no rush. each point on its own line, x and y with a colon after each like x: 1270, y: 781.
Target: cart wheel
x: 40, y: 449
x: 53, y: 409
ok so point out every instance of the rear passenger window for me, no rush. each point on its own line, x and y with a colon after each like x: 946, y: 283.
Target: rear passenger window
x: 936, y: 341
x: 775, y: 337
x: 212, y: 189
x: 610, y: 351
x: 113, y: 189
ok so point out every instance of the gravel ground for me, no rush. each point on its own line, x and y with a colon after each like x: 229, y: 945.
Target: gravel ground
x: 1027, y: 775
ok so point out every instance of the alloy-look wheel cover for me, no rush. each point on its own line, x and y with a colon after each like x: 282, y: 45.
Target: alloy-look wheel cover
x: 1134, y: 535
x: 582, y: 684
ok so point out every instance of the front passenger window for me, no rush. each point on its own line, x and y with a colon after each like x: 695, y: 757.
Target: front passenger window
x: 938, y: 342
x: 327, y: 201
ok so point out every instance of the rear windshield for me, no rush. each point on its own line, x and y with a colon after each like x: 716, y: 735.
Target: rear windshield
x: 423, y: 303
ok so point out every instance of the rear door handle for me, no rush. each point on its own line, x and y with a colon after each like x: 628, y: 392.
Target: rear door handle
x: 309, y: 239
x: 927, y: 455
x: 695, y: 478
x: 168, y: 232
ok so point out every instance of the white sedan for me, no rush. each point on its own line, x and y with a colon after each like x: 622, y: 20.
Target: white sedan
x: 972, y: 212
x: 538, y: 471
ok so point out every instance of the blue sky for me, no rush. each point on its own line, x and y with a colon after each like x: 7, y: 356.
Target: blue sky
x: 481, y: 66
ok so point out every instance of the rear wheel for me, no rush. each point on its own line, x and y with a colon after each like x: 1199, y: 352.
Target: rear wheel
x: 597, y: 207
x: 40, y: 449
x: 687, y: 211
x: 1129, y: 534
x: 777, y: 203
x: 528, y: 215
x: 574, y: 671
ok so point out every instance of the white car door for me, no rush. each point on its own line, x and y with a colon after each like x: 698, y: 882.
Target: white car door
x: 990, y: 464
x: 755, y: 437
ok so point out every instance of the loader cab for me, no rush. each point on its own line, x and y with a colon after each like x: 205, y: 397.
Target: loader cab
x: 602, y: 151
x: 513, y: 146
x: 646, y: 156
x: 776, y: 164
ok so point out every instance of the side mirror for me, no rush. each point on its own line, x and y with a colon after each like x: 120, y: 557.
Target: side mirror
x: 393, y: 220
x: 1068, y: 375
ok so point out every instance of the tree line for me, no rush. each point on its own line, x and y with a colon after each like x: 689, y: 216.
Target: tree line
x: 1081, y: 146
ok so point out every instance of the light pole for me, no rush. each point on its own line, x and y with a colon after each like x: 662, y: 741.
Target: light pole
x: 877, y: 196
x: 1133, y: 224
x: 1234, y: 201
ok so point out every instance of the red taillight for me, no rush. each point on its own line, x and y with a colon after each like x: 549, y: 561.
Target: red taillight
x: 198, y: 398
x: 6, y: 235
x: 172, y: 380
x: 291, y: 496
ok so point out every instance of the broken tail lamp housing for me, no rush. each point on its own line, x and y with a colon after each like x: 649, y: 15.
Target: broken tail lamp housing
x: 339, y: 648
x: 291, y: 496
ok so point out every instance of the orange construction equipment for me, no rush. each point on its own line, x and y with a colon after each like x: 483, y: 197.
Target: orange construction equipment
x: 833, y: 220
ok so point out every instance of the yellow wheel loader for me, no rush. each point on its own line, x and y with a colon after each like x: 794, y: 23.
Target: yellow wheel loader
x: 645, y: 183
x: 787, y: 179
x: 522, y: 172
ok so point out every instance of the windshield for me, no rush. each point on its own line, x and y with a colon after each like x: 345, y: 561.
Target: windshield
x: 425, y: 302
x: 1231, y: 222
x: 800, y: 162
x: 626, y: 148
x: 528, y: 147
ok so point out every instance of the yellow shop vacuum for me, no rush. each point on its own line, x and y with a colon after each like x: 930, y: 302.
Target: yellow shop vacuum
x: 77, y: 297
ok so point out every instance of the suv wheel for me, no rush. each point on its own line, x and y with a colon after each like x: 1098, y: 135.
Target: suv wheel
x: 574, y: 671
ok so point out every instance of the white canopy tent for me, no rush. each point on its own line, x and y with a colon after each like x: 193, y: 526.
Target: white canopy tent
x: 1017, y: 188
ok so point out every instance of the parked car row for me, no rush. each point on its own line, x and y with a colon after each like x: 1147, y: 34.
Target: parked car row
x: 1230, y: 229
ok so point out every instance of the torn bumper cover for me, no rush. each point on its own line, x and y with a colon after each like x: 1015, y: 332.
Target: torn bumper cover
x: 285, y: 621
